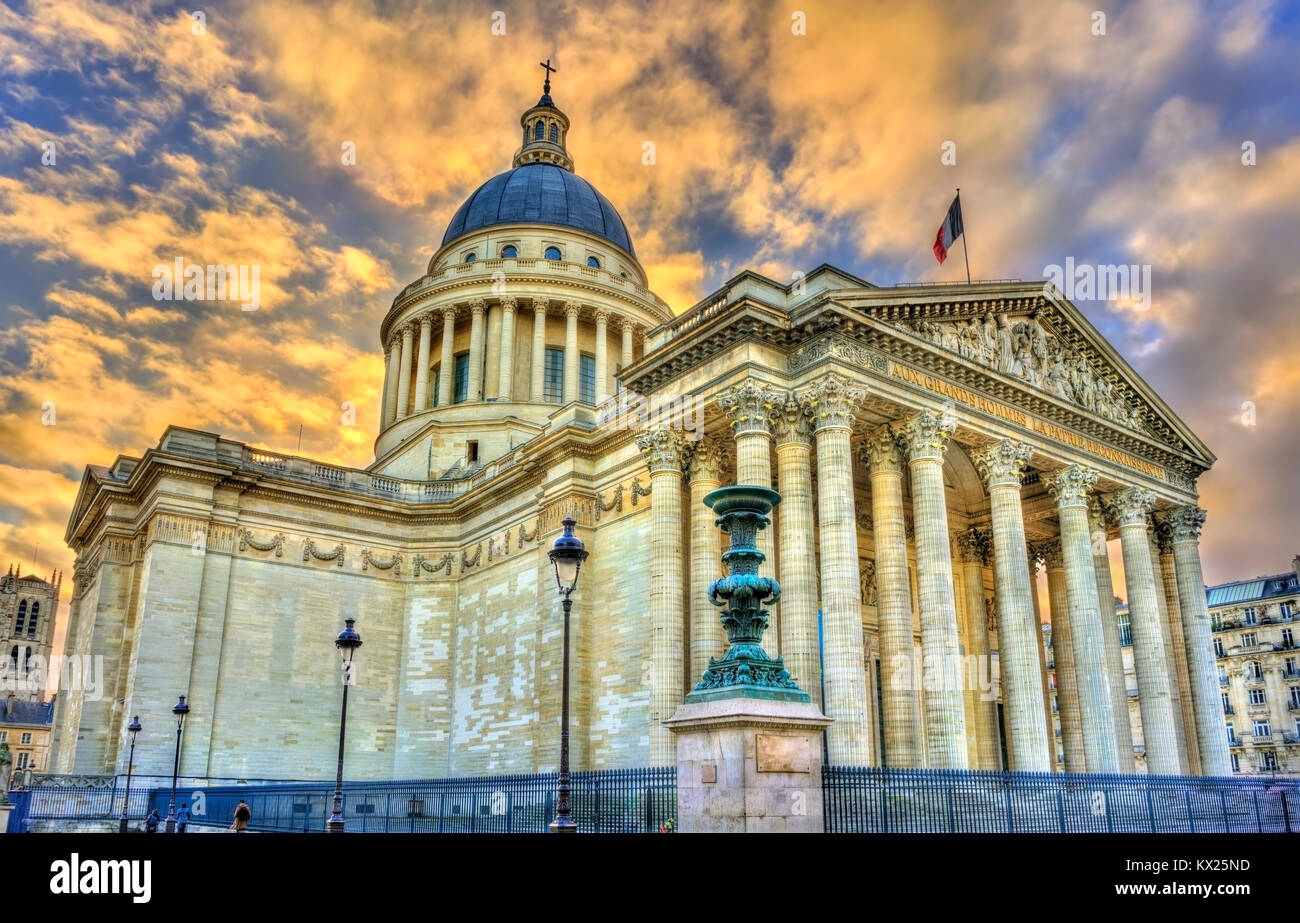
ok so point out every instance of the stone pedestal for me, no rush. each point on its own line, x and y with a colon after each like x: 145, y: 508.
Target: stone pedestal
x: 749, y: 765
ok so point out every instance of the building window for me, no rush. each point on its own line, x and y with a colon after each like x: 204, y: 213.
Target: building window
x: 1295, y: 696
x: 1287, y: 639
x: 437, y: 381
x: 587, y: 379
x: 471, y: 451
x: 593, y: 262
x: 22, y: 617
x: 1257, y: 697
x: 1218, y: 647
x: 4, y: 737
x: 1232, y: 733
x: 1125, y: 631
x: 1253, y: 670
x: 1227, y: 707
x: 539, y: 131
x: 13, y: 660
x: 25, y: 739
x: 1262, y: 729
x: 32, y: 619
x: 1285, y: 611
x: 554, y: 133
x: 1250, y: 616
x: 509, y: 252
x: 1268, y: 761
x: 1249, y: 639
x: 471, y: 257
x: 1236, y: 764
x: 27, y: 660
x: 1289, y: 667
x: 23, y: 759
x: 461, y: 393
x: 553, y: 253
x: 554, y: 390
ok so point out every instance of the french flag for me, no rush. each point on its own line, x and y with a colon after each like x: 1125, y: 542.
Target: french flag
x: 949, y: 231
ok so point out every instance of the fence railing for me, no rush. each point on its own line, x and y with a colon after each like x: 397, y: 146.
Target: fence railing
x: 78, y: 803
x: 872, y: 800
x: 608, y: 801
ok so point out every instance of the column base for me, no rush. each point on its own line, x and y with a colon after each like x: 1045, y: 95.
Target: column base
x: 749, y: 765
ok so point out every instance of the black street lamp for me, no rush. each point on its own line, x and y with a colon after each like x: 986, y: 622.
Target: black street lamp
x: 180, y: 710
x: 567, y: 554
x: 347, y: 642
x: 134, y: 728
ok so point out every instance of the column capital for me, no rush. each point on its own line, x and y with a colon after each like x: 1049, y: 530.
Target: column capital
x: 789, y: 422
x: 1129, y: 507
x: 509, y: 305
x: 925, y: 434
x: 881, y: 453
x: 449, y: 311
x: 477, y: 307
x: 627, y: 323
x: 1072, y: 485
x: 408, y: 329
x: 1034, y: 555
x: 750, y: 405
x: 974, y: 545
x: 1049, y: 552
x: 602, y: 315
x: 831, y: 402
x: 1183, y: 524
x: 706, y: 459
x: 426, y: 321
x: 539, y: 306
x: 1002, y: 464
x: 572, y: 309
x: 664, y: 450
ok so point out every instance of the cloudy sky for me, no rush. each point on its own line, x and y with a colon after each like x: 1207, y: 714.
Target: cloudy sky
x: 219, y: 140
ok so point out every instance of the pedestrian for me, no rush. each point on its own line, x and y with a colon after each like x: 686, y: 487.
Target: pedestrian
x: 243, y: 814
x: 151, y: 822
x: 182, y: 817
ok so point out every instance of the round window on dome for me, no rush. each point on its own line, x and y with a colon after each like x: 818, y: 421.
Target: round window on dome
x: 553, y: 253
x: 509, y: 252
x: 471, y: 257
x: 593, y: 262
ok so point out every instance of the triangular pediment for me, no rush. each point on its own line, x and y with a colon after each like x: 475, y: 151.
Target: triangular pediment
x: 1036, y: 341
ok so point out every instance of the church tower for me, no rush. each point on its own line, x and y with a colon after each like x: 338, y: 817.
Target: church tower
x: 28, y: 605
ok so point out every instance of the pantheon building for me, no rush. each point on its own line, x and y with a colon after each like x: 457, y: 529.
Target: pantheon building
x: 935, y: 446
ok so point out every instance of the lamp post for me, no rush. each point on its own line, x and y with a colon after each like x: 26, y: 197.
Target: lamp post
x: 347, y: 642
x: 134, y: 728
x: 567, y: 554
x: 180, y: 710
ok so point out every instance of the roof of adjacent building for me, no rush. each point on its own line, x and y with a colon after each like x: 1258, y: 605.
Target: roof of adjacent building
x: 1241, y: 591
x: 540, y: 193
x: 25, y: 712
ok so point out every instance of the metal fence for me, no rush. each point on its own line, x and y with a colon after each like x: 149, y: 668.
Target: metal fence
x: 74, y: 803
x: 607, y: 801
x: 872, y: 800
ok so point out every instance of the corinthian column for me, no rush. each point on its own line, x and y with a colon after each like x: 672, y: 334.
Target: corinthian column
x: 392, y: 358
x: 1071, y: 487
x: 447, y: 371
x: 798, y: 570
x: 924, y: 439
x: 422, y: 365
x: 538, y: 370
x: 572, y: 358
x: 973, y: 545
x: 477, y: 309
x: 899, y: 689
x: 1023, y: 703
x: 629, y: 331
x: 492, y: 354
x: 749, y: 406
x: 708, y: 638
x: 1067, y: 684
x: 1110, y: 636
x: 1176, y: 698
x: 404, y: 374
x: 506, y: 380
x: 602, y: 355
x: 1129, y: 509
x: 664, y: 450
x: 1180, y: 682
x: 1184, y: 526
x: 830, y: 405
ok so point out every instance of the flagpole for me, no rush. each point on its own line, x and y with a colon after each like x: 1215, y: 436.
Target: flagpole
x: 964, y: 254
